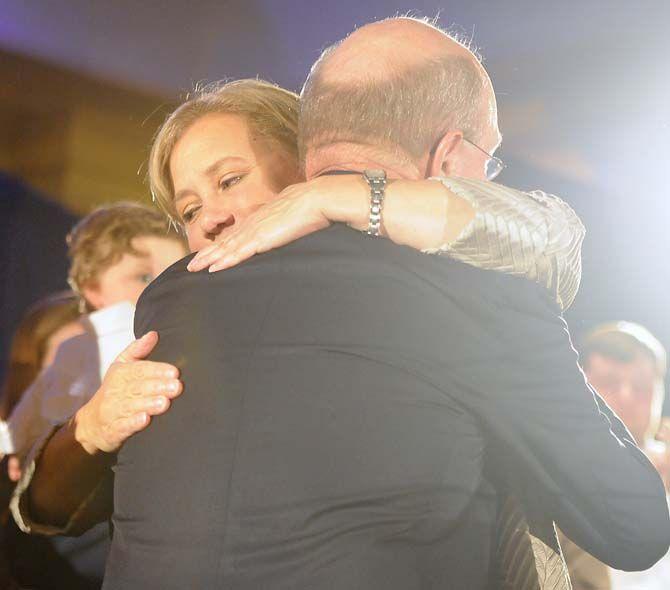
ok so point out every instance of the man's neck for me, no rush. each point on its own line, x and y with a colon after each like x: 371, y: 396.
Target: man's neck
x: 357, y: 158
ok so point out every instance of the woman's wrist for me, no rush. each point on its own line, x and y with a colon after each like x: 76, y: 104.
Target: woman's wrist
x: 79, y: 424
x: 344, y: 199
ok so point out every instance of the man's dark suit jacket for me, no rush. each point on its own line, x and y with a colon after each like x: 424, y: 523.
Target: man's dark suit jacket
x: 342, y: 396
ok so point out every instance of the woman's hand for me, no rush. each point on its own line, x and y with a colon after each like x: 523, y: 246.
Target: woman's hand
x: 299, y: 210
x: 421, y: 214
x: 132, y: 391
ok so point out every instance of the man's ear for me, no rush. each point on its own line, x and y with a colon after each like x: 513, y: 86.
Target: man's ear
x: 442, y: 159
x: 93, y: 296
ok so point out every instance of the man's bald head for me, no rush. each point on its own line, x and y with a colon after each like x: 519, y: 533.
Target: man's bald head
x: 397, y: 84
x: 382, y: 49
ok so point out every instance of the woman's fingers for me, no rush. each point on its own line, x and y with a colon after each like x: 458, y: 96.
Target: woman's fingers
x: 138, y: 349
x: 126, y: 427
x: 235, y: 255
x: 275, y: 224
x: 151, y: 405
x: 149, y: 387
x: 203, y: 258
x: 131, y: 388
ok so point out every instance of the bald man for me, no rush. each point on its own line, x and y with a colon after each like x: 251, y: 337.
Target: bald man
x: 424, y: 105
x: 349, y: 404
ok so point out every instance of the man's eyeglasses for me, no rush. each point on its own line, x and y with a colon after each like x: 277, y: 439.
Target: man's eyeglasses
x: 494, y: 166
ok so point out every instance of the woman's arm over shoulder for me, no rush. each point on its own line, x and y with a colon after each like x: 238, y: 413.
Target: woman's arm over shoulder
x: 530, y: 234
x: 487, y: 225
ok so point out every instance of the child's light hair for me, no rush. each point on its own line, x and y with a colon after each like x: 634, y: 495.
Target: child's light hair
x: 101, y: 239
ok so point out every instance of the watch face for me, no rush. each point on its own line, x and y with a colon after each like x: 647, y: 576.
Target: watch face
x: 375, y: 174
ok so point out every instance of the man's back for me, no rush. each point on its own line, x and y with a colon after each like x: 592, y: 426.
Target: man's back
x: 323, y: 439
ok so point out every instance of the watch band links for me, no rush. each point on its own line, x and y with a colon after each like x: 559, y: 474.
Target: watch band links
x: 377, y: 181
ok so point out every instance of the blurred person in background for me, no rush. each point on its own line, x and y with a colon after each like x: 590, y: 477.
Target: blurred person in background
x: 46, y: 325
x: 626, y: 364
x: 114, y: 253
x: 31, y: 561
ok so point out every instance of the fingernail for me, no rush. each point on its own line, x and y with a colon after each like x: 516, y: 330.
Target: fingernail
x: 173, y: 386
x: 158, y: 403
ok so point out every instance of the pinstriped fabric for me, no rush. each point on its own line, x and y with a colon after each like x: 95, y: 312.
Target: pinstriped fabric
x: 533, y: 235
x: 515, y: 553
x: 552, y: 570
x: 525, y: 562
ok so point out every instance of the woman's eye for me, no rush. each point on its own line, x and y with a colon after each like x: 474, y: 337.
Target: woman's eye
x: 189, y: 214
x: 226, y: 183
x: 146, y: 278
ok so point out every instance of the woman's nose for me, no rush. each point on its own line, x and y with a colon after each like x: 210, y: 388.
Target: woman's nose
x: 213, y: 221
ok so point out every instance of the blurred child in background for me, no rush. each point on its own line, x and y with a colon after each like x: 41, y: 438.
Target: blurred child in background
x: 115, y: 252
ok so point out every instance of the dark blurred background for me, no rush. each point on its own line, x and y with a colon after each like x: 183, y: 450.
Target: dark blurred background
x: 583, y: 91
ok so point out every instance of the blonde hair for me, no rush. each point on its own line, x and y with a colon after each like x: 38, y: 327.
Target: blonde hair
x: 29, y: 344
x: 270, y: 111
x: 100, y: 239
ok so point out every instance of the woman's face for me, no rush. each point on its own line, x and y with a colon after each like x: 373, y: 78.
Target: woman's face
x: 221, y: 174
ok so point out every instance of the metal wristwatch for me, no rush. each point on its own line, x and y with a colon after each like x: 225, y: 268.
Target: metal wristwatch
x: 377, y: 181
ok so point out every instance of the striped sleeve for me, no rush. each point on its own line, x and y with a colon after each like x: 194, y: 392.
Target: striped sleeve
x: 529, y: 234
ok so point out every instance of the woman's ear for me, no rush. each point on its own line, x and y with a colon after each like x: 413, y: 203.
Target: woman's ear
x: 443, y: 156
